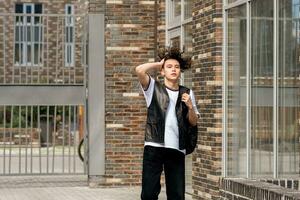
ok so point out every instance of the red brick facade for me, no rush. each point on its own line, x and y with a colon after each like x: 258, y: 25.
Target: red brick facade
x: 207, y: 78
x: 129, y: 42
x: 132, y: 36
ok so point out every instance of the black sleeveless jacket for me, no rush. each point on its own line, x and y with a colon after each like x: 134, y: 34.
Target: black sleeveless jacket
x: 156, y: 115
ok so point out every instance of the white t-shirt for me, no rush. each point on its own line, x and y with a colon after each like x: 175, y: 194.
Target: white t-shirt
x: 171, y: 126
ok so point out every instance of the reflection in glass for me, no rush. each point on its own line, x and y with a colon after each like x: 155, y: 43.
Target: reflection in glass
x: 262, y: 88
x: 288, y: 82
x: 188, y: 49
x: 188, y: 8
x: 177, y: 7
x: 175, y: 42
x: 236, y: 116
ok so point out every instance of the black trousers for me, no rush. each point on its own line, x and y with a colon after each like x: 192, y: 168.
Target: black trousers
x: 172, y: 161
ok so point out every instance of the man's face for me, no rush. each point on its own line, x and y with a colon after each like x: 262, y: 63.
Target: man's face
x: 171, y: 70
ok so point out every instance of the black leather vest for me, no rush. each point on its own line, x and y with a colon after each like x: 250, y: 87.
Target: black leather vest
x: 156, y: 115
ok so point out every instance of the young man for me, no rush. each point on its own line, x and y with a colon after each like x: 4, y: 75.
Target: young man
x: 171, y: 112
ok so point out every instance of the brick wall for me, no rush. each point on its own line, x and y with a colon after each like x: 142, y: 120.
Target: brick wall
x: 53, y: 6
x: 51, y: 52
x: 246, y: 189
x: 207, y: 78
x: 96, y: 6
x: 129, y: 42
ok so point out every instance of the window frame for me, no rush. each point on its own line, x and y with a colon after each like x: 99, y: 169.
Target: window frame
x: 21, y: 26
x: 69, y: 45
x: 175, y: 26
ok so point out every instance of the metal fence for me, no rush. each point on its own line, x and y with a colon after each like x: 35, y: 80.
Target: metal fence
x: 43, y: 64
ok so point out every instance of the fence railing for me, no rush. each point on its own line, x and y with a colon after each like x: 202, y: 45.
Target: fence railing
x: 41, y: 125
x: 40, y: 139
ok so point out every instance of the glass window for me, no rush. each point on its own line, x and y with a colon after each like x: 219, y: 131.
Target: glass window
x: 188, y: 38
x: 289, y: 85
x: 236, y: 99
x: 188, y: 51
x: 29, y: 9
x: 178, y: 24
x: 179, y: 10
x: 19, y: 8
x: 262, y: 88
x: 28, y: 34
x: 176, y: 7
x: 69, y: 39
x: 38, y: 8
x: 188, y: 8
x: 175, y: 42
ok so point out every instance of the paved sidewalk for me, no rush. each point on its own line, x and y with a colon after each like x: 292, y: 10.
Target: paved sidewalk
x: 71, y: 188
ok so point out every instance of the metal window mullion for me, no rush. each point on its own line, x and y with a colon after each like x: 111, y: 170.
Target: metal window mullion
x: 4, y: 139
x: 248, y: 91
x: 275, y: 90
x: 235, y: 4
x: 224, y: 95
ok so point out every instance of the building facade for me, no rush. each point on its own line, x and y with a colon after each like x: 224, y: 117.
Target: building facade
x: 244, y: 75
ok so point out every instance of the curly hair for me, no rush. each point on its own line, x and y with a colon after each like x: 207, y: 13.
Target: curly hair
x: 175, y: 53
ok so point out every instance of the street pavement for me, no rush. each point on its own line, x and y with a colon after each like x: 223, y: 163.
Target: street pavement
x: 64, y: 188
